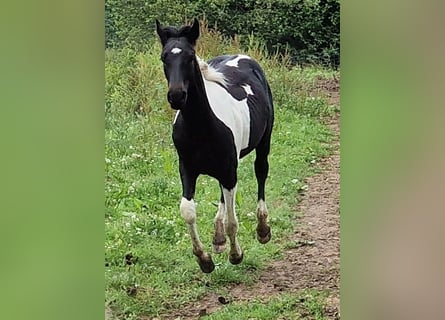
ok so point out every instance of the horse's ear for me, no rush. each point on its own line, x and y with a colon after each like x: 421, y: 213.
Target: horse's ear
x: 162, y: 35
x: 193, y: 33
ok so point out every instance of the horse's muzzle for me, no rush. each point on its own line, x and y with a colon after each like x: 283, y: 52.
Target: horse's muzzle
x: 176, y: 98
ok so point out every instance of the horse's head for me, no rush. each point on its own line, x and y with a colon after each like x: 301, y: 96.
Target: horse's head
x: 178, y: 57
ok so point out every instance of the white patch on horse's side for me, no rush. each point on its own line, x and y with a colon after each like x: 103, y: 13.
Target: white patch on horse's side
x: 188, y: 210
x: 176, y: 50
x: 234, y: 62
x: 211, y: 74
x: 233, y: 113
x: 248, y: 89
x: 176, y: 116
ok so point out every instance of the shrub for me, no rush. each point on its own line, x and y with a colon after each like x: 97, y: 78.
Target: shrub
x: 309, y: 30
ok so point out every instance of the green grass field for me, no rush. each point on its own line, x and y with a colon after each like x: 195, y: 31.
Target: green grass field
x: 149, y: 265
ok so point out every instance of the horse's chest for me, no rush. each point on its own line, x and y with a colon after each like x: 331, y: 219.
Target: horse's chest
x: 207, y: 156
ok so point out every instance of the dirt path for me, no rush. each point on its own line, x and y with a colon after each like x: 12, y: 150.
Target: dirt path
x: 314, y: 262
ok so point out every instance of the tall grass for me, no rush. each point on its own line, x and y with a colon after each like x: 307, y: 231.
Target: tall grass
x: 149, y: 267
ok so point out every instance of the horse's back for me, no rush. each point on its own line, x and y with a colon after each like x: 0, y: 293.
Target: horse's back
x: 246, y: 81
x: 244, y: 76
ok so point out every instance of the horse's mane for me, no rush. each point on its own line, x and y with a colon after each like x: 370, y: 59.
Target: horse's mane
x: 172, y: 32
x: 210, y: 73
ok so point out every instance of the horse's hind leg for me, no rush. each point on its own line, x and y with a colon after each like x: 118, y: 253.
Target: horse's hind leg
x: 219, y: 238
x: 261, y: 171
x: 236, y: 254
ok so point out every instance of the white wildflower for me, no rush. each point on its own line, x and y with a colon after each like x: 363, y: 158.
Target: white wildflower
x: 136, y: 155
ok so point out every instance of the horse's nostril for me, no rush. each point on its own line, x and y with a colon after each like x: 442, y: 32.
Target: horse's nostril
x: 176, y: 96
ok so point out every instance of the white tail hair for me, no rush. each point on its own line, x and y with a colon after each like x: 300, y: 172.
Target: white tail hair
x: 211, y: 74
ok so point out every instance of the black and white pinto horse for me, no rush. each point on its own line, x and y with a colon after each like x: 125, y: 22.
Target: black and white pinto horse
x: 224, y: 112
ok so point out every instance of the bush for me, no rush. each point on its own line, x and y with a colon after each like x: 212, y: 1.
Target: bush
x: 309, y: 30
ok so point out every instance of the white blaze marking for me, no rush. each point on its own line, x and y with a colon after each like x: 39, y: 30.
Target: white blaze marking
x: 176, y: 50
x: 248, y: 89
x: 233, y: 113
x: 234, y: 62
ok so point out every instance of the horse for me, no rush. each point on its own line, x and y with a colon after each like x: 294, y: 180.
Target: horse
x: 224, y: 111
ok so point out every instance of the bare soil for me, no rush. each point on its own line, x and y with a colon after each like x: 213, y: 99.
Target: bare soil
x: 314, y: 260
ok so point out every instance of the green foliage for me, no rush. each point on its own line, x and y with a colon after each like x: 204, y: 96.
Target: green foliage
x: 149, y: 265
x: 132, y: 23
x: 309, y: 31
x: 132, y: 80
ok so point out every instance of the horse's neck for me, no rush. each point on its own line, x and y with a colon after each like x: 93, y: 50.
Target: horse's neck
x: 198, y: 109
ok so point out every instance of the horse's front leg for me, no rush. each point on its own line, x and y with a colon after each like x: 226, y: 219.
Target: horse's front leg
x: 188, y: 212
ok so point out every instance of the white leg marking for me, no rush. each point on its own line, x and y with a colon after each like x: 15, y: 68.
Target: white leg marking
x: 221, y: 213
x: 219, y: 239
x: 232, y: 221
x: 263, y: 229
x: 188, y: 212
x: 261, y: 208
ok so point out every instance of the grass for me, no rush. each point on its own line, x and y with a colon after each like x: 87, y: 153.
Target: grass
x: 149, y: 265
x: 306, y: 305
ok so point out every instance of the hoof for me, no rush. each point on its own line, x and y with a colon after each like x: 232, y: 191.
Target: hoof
x: 235, y: 259
x: 263, y: 234
x: 206, y: 264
